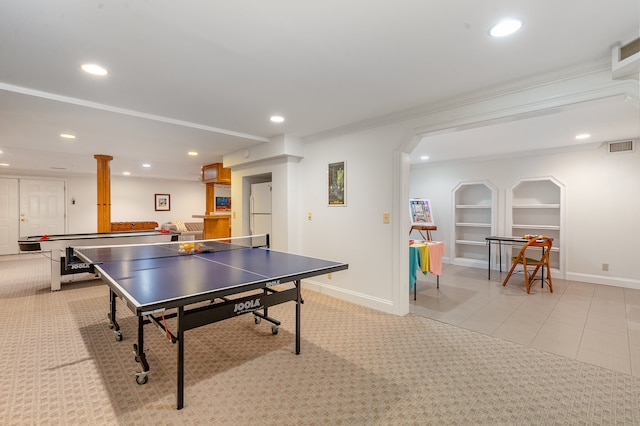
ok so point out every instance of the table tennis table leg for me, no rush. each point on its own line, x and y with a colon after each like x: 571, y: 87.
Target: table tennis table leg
x: 298, y: 302
x: 138, y: 350
x: 113, y: 324
x: 180, y: 391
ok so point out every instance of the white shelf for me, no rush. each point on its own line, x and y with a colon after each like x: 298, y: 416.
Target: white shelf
x: 471, y: 243
x: 474, y: 225
x: 474, y: 216
x: 470, y: 263
x: 471, y: 206
x: 536, y: 206
x: 546, y: 227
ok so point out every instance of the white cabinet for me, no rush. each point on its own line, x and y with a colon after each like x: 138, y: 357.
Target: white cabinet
x: 537, y: 209
x: 474, y: 209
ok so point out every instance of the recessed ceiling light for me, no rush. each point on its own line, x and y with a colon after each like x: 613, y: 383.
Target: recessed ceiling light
x: 94, y: 69
x: 4, y: 164
x: 67, y: 136
x: 192, y: 153
x: 146, y: 165
x: 506, y: 27
x: 583, y: 136
x: 126, y: 173
x: 277, y: 119
x: 424, y: 157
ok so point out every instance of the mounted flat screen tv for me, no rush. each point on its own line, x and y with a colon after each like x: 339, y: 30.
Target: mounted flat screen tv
x: 223, y: 204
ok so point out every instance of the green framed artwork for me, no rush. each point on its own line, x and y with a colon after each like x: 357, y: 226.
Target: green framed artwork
x: 337, y: 184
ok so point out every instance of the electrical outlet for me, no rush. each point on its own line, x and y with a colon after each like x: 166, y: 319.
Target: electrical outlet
x: 234, y: 215
x: 385, y: 217
x: 309, y: 216
x: 605, y: 266
x: 329, y: 275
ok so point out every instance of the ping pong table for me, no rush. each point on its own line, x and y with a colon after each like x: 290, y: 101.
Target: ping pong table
x: 207, y: 282
x: 58, y: 244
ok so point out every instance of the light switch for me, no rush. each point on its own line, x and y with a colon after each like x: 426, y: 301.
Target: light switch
x: 309, y: 216
x: 385, y: 217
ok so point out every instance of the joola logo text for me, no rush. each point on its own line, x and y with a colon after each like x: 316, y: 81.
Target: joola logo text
x: 246, y: 306
x: 271, y: 283
x: 80, y: 265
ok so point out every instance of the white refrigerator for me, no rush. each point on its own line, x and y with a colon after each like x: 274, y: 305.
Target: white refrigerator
x: 260, y: 208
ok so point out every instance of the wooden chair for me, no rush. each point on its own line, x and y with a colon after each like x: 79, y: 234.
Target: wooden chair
x: 542, y: 242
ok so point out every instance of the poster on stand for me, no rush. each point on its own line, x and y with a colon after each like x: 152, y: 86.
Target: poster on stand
x: 421, y: 213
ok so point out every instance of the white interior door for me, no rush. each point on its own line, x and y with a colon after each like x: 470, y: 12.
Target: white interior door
x: 42, y: 207
x: 9, y: 216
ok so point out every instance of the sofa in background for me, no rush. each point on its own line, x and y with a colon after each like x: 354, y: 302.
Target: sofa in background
x: 187, y: 230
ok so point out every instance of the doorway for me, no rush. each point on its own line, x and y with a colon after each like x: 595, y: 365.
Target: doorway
x: 30, y: 207
x: 8, y: 216
x: 256, y: 196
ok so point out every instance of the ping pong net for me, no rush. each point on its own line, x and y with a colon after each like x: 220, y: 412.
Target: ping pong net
x: 130, y: 252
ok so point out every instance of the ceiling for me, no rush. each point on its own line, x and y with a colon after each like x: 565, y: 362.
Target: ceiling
x: 207, y: 75
x: 609, y: 119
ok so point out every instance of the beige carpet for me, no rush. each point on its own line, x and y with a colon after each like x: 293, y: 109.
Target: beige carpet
x: 62, y: 365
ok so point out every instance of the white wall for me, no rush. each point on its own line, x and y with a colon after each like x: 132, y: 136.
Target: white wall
x: 132, y: 199
x: 355, y: 233
x: 602, y: 205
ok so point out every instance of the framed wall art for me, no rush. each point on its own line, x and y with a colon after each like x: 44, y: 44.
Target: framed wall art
x: 163, y: 202
x: 337, y: 184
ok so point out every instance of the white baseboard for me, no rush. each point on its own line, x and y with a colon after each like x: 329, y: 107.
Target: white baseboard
x: 599, y: 279
x: 349, y: 296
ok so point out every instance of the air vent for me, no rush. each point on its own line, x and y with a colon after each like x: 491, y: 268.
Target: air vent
x: 625, y: 60
x: 621, y: 146
x: 629, y: 49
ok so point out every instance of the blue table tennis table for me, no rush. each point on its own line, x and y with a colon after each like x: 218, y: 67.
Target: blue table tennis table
x: 204, y: 286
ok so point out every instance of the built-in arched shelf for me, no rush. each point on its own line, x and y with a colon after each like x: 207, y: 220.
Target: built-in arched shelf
x: 536, y: 206
x: 474, y: 218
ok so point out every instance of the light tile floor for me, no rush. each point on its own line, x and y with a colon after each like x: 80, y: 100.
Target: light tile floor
x: 593, y: 323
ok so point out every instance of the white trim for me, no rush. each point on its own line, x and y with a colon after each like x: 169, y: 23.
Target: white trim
x: 599, y: 279
x: 352, y: 296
